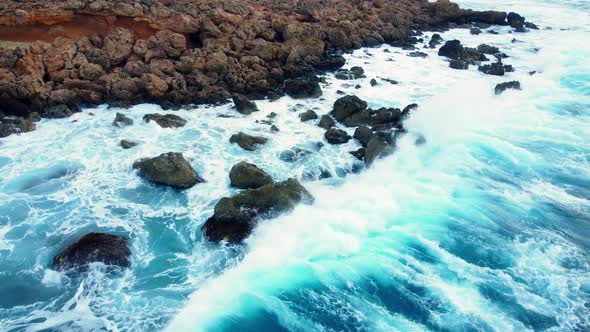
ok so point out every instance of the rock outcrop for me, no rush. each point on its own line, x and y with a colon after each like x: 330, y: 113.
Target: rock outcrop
x: 166, y: 120
x: 235, y: 217
x: 180, y: 52
x: 248, y: 142
x: 94, y: 247
x: 169, y: 169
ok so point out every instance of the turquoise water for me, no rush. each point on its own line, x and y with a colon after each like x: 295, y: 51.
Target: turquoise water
x: 486, y: 227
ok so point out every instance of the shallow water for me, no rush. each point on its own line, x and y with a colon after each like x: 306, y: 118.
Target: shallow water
x: 485, y: 227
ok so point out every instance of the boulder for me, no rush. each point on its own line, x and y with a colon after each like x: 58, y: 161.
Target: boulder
x: 347, y: 106
x: 380, y: 145
x: 326, y: 122
x: 308, y: 115
x: 15, y: 125
x: 496, y: 69
x: 234, y: 217
x: 435, y: 40
x: 57, y: 112
x: 244, y: 105
x: 154, y: 85
x: 336, y: 136
x: 363, y: 134
x: 515, y: 20
x: 169, y: 169
x: 248, y: 142
x: 94, y: 247
x: 127, y: 144
x: 299, y: 89
x: 244, y: 175
x: 91, y: 71
x: 487, y: 49
x: 121, y: 120
x: 171, y: 43
x: 458, y: 64
x: 358, y: 154
x: 166, y: 120
x: 331, y: 63
x: 500, y: 88
x: 452, y: 49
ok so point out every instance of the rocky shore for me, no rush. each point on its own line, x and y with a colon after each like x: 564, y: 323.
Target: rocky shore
x: 177, y: 53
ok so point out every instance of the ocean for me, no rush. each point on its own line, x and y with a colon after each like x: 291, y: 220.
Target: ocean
x: 485, y: 227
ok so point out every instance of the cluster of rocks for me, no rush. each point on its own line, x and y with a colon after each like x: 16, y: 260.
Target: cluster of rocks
x: 205, y: 52
x: 198, y: 51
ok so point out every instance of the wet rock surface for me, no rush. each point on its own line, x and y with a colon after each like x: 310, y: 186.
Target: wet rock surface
x: 166, y: 120
x: 94, y: 247
x: 169, y: 169
x: 248, y: 142
x: 244, y: 175
x: 235, y: 217
x: 121, y: 120
x: 501, y: 87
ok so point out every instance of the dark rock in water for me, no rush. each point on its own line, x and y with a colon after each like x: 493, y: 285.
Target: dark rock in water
x: 417, y: 54
x: 385, y: 116
x: 308, y: 115
x: 94, y: 247
x: 58, y: 112
x: 127, y: 144
x: 475, y: 31
x: 346, y: 106
x: 373, y: 82
x: 421, y: 140
x: 359, y: 154
x: 487, y: 49
x: 497, y: 69
x: 299, y: 89
x: 332, y: 63
x: 326, y: 122
x: 380, y: 145
x: 358, y: 119
x: 390, y: 81
x: 363, y: 134
x: 319, y: 173
x: 459, y: 64
x: 294, y: 154
x: 274, y: 129
x: 235, y: 217
x: 272, y: 115
x: 452, y: 49
x: 336, y: 136
x: 244, y: 105
x: 244, y: 175
x: 473, y: 56
x: 493, y: 32
x: 358, y: 86
x: 166, y: 120
x: 169, y: 169
x: 507, y: 85
x: 408, y: 109
x: 121, y: 120
x: 435, y: 40
x: 350, y: 74
x: 488, y: 16
x: 531, y: 25
x: 15, y: 125
x: 515, y: 20
x: 248, y: 142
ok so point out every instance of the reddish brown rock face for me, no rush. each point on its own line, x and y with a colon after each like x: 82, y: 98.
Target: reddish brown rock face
x: 188, y: 51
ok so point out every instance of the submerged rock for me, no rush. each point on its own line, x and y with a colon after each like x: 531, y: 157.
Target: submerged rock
x: 380, y: 145
x: 58, y: 112
x: 244, y: 175
x: 127, y: 144
x: 244, y: 105
x: 121, y: 120
x: 452, y: 49
x: 248, y: 142
x: 435, y: 40
x: 94, y: 247
x: 166, y: 120
x: 299, y: 89
x: 337, y: 136
x: 169, y: 169
x: 500, y: 88
x: 308, y: 115
x: 326, y: 122
x: 496, y: 69
x: 235, y: 217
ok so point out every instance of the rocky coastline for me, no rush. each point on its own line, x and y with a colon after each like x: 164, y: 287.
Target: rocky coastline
x: 181, y: 53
